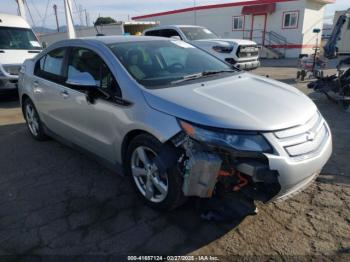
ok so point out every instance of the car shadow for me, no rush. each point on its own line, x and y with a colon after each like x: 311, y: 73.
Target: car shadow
x: 56, y: 200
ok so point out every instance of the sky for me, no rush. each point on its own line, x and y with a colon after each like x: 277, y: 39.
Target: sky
x: 120, y: 10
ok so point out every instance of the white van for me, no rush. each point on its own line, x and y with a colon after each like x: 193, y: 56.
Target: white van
x: 17, y: 43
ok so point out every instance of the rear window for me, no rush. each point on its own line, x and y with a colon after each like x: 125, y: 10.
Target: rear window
x: 152, y: 33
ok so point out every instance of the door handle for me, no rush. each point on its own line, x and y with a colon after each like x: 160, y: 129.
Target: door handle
x: 65, y: 94
x: 36, y: 88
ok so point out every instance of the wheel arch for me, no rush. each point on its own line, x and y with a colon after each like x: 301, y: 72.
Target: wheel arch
x: 129, y: 137
x: 23, y: 98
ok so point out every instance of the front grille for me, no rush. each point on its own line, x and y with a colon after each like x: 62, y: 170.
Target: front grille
x: 304, y: 141
x: 247, y: 51
x: 12, y: 69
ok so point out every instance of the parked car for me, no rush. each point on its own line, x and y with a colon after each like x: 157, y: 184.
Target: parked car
x: 241, y: 53
x: 177, y: 120
x: 17, y: 43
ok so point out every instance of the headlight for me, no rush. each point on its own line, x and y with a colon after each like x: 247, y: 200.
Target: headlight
x: 237, y: 140
x: 223, y: 49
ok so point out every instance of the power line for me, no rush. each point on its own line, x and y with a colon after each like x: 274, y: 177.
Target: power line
x: 45, y: 15
x: 30, y: 13
x: 36, y: 9
x: 78, y: 11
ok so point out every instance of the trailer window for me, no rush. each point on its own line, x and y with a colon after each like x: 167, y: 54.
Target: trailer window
x: 290, y: 20
x: 237, y: 23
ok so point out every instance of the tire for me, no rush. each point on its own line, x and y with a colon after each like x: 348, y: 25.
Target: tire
x: 163, y: 192
x: 33, y: 121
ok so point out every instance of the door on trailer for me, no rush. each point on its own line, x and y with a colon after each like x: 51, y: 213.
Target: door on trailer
x: 258, y: 29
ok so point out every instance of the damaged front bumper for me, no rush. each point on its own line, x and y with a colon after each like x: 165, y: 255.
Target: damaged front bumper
x: 295, y: 175
x: 298, y: 156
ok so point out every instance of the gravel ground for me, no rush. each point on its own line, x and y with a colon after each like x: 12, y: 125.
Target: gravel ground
x: 57, y: 201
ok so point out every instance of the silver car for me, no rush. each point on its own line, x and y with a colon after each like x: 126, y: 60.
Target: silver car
x: 175, y: 119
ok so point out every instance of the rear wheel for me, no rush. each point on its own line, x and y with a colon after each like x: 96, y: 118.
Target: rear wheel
x: 33, y: 121
x: 161, y: 191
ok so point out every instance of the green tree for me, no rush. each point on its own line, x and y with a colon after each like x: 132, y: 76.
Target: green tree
x: 104, y: 21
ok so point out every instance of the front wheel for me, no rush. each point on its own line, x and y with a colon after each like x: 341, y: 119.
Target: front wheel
x: 33, y: 121
x: 160, y: 191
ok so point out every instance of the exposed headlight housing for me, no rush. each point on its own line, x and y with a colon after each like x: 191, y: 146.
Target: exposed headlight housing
x: 223, y: 49
x: 242, y: 141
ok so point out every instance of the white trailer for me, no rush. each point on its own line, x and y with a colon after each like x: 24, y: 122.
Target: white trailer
x: 281, y: 27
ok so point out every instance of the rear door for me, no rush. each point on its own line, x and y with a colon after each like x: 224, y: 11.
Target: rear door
x: 48, y: 89
x: 63, y: 109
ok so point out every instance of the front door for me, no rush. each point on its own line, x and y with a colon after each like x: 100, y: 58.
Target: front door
x: 258, y: 28
x: 97, y: 120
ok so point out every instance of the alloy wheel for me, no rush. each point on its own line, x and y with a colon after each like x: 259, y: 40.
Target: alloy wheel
x: 32, y: 119
x: 151, y: 184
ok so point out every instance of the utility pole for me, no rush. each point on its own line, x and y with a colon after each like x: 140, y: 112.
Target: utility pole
x: 55, y: 11
x: 69, y: 19
x: 21, y: 8
x: 86, y: 18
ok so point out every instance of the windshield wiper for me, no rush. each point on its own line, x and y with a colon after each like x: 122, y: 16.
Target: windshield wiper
x: 207, y: 73
x: 188, y: 77
x: 201, y: 74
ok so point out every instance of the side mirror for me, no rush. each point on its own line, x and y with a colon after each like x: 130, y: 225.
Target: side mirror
x: 82, y: 80
x: 44, y: 44
x: 176, y: 37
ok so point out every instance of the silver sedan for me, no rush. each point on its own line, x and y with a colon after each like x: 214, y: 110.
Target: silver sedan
x: 175, y: 119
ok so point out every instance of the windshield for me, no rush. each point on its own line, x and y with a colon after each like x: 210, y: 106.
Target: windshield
x: 156, y: 64
x: 18, y: 38
x: 198, y: 33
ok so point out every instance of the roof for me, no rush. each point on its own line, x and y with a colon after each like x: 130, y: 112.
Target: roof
x: 13, y: 21
x: 117, y: 39
x: 206, y: 7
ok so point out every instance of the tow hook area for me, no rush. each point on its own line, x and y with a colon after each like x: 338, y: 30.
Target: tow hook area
x: 226, y: 181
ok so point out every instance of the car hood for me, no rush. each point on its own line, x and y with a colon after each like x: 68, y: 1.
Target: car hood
x: 242, y: 102
x: 224, y: 41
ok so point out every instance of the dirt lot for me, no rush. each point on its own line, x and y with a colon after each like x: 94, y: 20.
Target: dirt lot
x: 55, y: 200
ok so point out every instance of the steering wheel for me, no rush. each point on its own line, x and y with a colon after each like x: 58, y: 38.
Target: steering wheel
x: 176, y: 67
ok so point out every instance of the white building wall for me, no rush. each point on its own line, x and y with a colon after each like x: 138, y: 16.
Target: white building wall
x: 314, y: 13
x: 220, y: 21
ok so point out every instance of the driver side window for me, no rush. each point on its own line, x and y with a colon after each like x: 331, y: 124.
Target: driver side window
x: 85, y: 61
